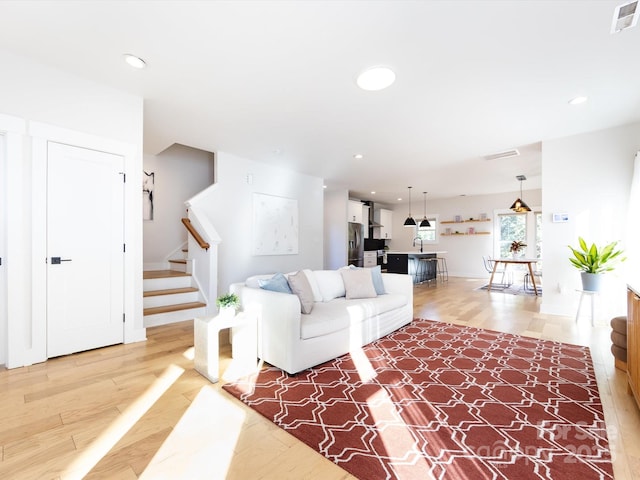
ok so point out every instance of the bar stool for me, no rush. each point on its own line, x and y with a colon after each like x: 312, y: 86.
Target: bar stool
x: 429, y: 265
x: 442, y: 271
x: 418, y: 274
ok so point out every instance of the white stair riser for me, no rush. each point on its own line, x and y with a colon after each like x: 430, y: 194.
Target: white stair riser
x: 178, y: 267
x: 150, y: 284
x: 172, y: 299
x: 173, y: 317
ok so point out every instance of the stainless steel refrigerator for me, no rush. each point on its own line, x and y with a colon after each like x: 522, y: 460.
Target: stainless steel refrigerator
x: 355, y: 247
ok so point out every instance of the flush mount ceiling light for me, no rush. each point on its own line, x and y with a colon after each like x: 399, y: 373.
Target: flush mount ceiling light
x: 425, y: 222
x: 578, y: 100
x: 376, y: 78
x: 410, y: 222
x: 519, y: 206
x: 135, y: 62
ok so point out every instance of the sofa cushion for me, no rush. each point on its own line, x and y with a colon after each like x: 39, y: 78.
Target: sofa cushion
x: 358, y: 283
x: 330, y: 284
x: 340, y: 314
x: 277, y: 283
x: 317, y: 294
x: 300, y: 286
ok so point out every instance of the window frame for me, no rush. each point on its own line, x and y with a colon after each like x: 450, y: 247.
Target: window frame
x: 434, y: 219
x: 531, y: 231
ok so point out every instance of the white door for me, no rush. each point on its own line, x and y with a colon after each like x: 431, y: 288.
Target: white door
x: 85, y: 259
x: 3, y: 255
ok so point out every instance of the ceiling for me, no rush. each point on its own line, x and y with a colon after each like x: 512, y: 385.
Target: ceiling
x: 275, y: 81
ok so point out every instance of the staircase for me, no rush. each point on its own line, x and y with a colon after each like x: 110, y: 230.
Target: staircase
x: 171, y: 295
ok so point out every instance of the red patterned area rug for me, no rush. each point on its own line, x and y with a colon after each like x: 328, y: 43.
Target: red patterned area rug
x: 434, y: 400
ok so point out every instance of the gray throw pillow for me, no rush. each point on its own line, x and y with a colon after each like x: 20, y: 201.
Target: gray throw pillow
x: 376, y: 277
x: 358, y: 283
x: 302, y: 288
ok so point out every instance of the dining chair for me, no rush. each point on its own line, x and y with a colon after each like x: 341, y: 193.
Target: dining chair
x: 502, y: 269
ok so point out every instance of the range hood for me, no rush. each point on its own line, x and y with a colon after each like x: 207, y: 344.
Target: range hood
x: 372, y: 222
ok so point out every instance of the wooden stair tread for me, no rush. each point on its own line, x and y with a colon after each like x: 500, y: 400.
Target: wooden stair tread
x: 148, y: 274
x: 169, y: 291
x: 179, y: 260
x: 173, y: 308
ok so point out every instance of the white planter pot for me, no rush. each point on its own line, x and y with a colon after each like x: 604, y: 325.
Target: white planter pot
x: 591, y: 282
x: 227, y: 312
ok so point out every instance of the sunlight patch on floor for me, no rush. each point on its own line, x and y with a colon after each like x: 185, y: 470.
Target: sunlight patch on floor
x: 202, y: 444
x: 90, y: 457
x: 189, y: 353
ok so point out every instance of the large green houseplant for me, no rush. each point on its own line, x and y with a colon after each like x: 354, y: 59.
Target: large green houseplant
x: 593, y: 262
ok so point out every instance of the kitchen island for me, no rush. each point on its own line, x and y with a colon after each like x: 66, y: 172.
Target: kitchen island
x: 422, y: 266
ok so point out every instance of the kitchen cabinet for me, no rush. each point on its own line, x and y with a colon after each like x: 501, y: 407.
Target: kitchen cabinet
x: 385, y: 218
x: 410, y: 263
x: 633, y: 344
x: 354, y: 211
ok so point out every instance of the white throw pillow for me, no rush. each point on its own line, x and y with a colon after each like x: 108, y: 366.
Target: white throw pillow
x: 358, y: 283
x: 330, y: 284
x: 317, y: 294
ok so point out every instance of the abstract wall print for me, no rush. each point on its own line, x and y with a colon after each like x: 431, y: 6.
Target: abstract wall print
x: 148, y: 182
x: 275, y: 225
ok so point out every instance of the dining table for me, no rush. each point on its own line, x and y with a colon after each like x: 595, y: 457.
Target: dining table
x: 529, y: 262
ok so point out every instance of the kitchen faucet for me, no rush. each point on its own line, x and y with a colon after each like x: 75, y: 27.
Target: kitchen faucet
x: 414, y: 243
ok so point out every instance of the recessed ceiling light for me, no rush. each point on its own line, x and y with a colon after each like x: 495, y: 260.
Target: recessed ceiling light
x: 135, y: 62
x: 373, y: 192
x: 578, y: 100
x: 399, y: 199
x: 358, y: 156
x: 324, y: 186
x: 376, y: 78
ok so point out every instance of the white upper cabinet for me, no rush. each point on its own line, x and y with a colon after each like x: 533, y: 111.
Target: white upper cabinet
x: 354, y: 211
x: 385, y: 218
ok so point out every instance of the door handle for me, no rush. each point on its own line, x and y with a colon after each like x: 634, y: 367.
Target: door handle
x: 57, y: 260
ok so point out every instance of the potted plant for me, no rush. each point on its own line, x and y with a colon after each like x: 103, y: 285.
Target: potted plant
x: 593, y: 262
x: 515, y: 247
x: 228, y: 304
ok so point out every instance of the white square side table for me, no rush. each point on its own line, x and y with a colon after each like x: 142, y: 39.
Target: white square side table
x: 244, y: 343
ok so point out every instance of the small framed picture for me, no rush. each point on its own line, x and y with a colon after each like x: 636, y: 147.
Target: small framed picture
x: 471, y: 230
x: 560, y: 217
x: 483, y: 217
x: 458, y: 218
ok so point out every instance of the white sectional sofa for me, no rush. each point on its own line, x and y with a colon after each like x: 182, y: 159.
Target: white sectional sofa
x: 336, y: 323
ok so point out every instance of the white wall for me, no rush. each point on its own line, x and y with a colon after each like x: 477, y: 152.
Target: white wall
x: 180, y: 173
x: 68, y: 107
x: 587, y: 176
x: 464, y: 253
x: 229, y: 206
x: 335, y: 228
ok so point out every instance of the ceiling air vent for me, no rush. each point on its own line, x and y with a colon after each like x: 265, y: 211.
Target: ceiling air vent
x: 506, y: 154
x: 625, y: 16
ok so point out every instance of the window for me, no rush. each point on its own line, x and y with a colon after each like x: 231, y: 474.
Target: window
x: 521, y: 227
x: 428, y: 234
x: 512, y: 228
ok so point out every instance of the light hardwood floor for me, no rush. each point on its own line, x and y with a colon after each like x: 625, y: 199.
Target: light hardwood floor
x: 105, y: 413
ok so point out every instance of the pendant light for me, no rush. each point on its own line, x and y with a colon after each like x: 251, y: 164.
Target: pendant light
x: 410, y: 222
x: 425, y: 222
x: 519, y: 206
